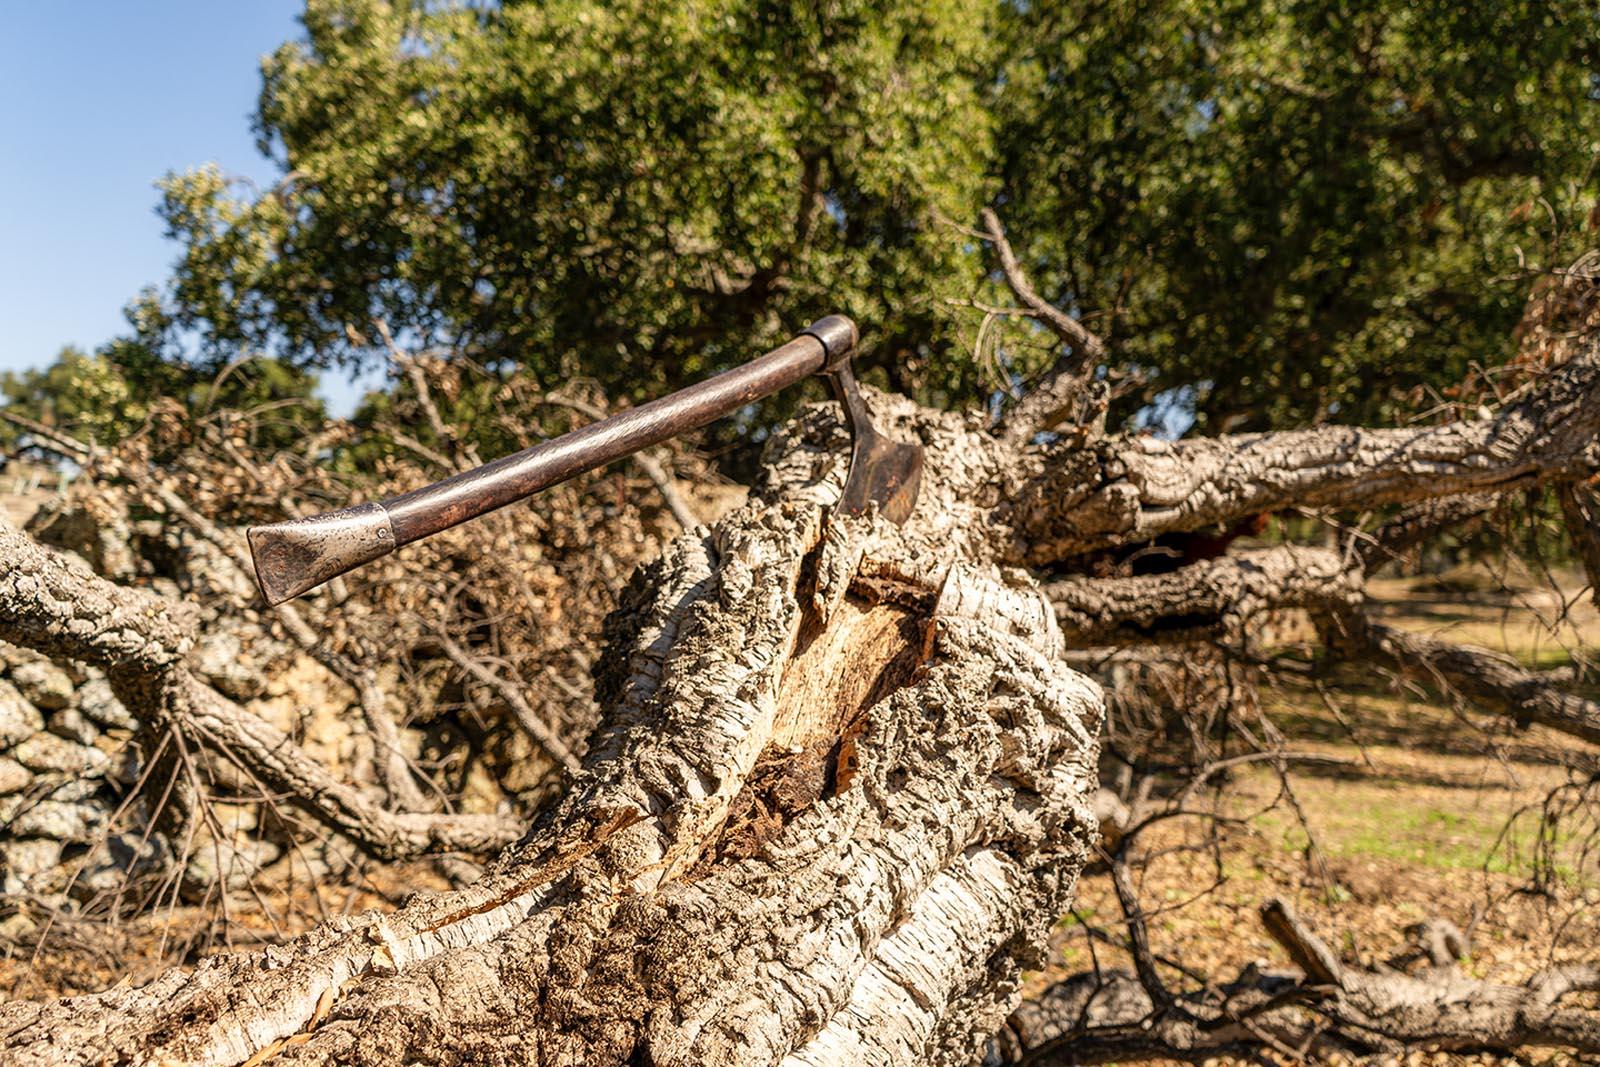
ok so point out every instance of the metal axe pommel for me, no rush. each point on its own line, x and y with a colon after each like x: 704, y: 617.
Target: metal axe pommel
x: 299, y: 555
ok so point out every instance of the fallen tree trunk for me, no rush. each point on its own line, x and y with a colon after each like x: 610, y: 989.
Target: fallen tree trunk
x: 828, y: 817
x: 842, y: 784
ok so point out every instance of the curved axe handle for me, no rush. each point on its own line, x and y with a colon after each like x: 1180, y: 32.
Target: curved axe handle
x: 293, y: 557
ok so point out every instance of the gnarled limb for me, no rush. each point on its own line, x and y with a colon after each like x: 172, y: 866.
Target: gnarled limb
x: 1321, y: 1006
x: 1126, y: 490
x: 1492, y: 681
x: 1203, y: 600
x: 56, y: 604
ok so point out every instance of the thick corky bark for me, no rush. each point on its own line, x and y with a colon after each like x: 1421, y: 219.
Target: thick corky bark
x: 1122, y: 491
x: 790, y: 843
x: 842, y: 782
x: 1211, y: 598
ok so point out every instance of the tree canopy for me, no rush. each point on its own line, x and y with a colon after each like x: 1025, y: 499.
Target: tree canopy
x: 1299, y: 210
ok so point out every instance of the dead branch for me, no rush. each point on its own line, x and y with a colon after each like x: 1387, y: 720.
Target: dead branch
x: 1490, y: 681
x: 55, y: 440
x: 1397, y: 538
x: 1580, y: 511
x: 1203, y: 599
x: 1321, y: 1006
x: 411, y: 366
x: 1128, y: 490
x: 1054, y: 396
x: 393, y: 768
x: 55, y: 604
x: 526, y: 717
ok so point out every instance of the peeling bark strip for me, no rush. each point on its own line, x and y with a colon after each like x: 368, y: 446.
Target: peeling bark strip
x: 883, y: 918
x: 1122, y: 491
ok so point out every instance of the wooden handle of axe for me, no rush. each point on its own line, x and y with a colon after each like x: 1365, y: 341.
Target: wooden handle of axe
x: 293, y: 557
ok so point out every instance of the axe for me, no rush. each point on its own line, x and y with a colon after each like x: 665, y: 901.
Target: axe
x: 293, y: 557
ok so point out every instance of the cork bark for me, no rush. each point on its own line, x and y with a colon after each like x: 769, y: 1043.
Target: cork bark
x: 842, y: 783
x: 839, y: 794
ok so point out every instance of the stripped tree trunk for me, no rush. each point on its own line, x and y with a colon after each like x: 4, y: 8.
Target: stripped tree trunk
x: 839, y: 795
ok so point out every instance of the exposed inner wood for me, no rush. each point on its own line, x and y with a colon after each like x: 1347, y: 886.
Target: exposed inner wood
x: 839, y: 669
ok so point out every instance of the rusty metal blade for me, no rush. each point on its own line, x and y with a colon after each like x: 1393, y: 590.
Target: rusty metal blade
x: 883, y: 472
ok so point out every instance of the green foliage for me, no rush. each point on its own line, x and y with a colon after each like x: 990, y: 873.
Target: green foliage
x: 105, y: 398
x: 1307, y: 207
x: 86, y: 393
x: 633, y: 191
x: 1298, y: 206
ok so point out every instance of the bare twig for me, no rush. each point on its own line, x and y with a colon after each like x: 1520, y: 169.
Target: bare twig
x: 646, y: 460
x: 1055, y: 395
x: 526, y: 717
x: 57, y: 605
x: 55, y: 440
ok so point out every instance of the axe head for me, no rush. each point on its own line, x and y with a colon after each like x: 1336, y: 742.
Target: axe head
x: 882, y: 471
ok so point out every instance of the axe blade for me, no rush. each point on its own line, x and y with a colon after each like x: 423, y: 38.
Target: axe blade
x: 884, y: 472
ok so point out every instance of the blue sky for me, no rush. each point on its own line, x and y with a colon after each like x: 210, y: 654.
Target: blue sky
x: 97, y: 101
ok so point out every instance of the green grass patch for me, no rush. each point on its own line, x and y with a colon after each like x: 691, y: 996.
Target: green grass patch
x: 1356, y: 820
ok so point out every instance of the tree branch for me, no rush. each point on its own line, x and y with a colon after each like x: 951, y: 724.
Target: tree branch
x: 1052, y: 398
x: 1194, y: 602
x: 1580, y: 510
x: 1493, y: 682
x: 55, y: 604
x: 1128, y: 490
x: 1420, y: 523
x: 530, y: 722
x: 1323, y: 1006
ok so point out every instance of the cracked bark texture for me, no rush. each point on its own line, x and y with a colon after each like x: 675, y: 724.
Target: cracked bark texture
x: 1216, y: 598
x: 843, y: 780
x: 840, y: 792
x: 1126, y: 490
